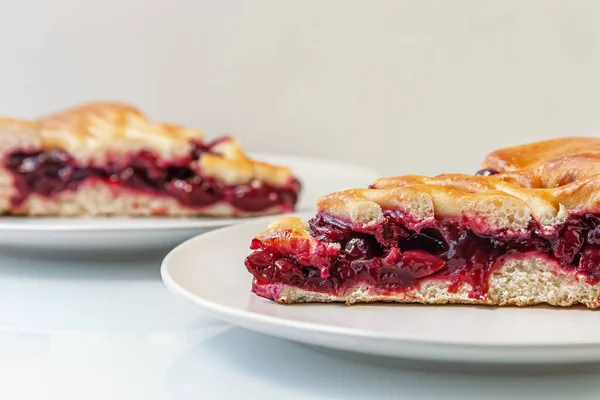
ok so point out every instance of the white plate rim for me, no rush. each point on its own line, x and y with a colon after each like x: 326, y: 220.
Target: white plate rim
x: 111, y: 224
x: 524, y: 352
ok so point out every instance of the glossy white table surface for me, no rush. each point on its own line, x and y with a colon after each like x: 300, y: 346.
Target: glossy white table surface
x: 75, y: 329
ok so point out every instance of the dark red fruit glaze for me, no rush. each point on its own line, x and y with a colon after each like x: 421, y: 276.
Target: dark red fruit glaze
x: 53, y: 171
x: 486, y: 172
x: 392, y: 258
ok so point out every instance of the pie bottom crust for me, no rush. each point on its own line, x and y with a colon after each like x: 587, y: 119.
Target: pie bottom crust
x: 98, y: 199
x: 525, y: 281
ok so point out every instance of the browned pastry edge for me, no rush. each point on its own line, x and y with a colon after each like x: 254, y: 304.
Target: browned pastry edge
x: 505, y: 201
x: 543, y: 182
x: 96, y: 132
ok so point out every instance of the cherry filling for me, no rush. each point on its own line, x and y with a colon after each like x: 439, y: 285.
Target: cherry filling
x: 50, y: 172
x: 486, y: 172
x: 392, y: 258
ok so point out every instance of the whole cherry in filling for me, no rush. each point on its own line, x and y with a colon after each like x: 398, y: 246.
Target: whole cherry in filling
x: 50, y: 172
x: 392, y: 258
x: 486, y: 172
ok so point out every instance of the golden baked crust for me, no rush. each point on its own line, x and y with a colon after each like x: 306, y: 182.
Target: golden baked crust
x: 230, y: 164
x: 106, y: 137
x: 92, y: 133
x: 544, y: 182
x: 498, y: 202
x: 523, y: 191
x: 547, y: 164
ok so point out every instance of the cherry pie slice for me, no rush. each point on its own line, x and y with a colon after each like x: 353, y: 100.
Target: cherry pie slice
x: 107, y: 159
x: 524, y: 230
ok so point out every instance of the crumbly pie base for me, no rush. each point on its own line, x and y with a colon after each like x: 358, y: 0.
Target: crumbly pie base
x: 524, y: 231
x: 106, y: 159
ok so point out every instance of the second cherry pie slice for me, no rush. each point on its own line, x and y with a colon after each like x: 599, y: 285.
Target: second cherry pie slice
x: 525, y: 230
x: 107, y: 159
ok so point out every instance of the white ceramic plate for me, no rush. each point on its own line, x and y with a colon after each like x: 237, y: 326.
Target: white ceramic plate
x: 209, y: 271
x: 318, y: 177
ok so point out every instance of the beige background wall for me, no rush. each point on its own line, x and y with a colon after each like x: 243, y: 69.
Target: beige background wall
x: 399, y: 85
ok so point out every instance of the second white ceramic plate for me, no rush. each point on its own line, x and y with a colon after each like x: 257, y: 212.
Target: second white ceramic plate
x: 209, y: 271
x: 318, y: 177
